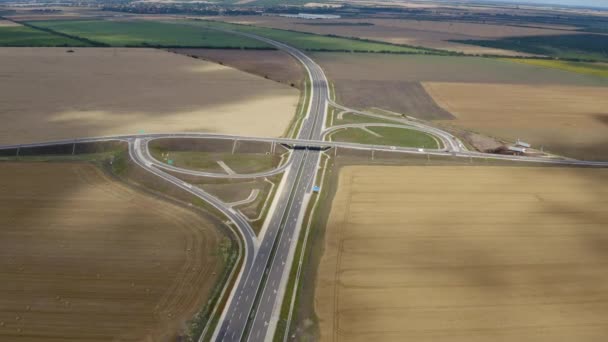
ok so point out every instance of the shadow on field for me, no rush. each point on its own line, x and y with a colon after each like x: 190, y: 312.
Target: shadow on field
x: 592, y: 152
x: 50, y: 95
x: 602, y: 118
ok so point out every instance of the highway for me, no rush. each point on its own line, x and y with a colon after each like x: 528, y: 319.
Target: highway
x: 254, y: 303
x: 320, y: 144
x: 252, y: 313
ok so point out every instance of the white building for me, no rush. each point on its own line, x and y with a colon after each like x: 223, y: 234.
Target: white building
x: 310, y: 16
x: 522, y: 144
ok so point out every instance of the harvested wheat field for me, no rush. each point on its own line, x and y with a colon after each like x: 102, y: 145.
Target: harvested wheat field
x: 423, y: 33
x: 572, y: 121
x: 465, y: 254
x: 48, y: 94
x: 272, y: 64
x: 85, y: 258
x: 7, y: 23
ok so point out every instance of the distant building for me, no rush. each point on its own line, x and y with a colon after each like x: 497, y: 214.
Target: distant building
x: 310, y: 16
x: 522, y: 144
x: 516, y: 149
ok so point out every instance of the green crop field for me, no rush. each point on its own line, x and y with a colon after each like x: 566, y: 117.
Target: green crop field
x: 596, y: 69
x: 590, y: 47
x: 390, y: 136
x: 312, y: 42
x: 26, y: 36
x: 149, y: 33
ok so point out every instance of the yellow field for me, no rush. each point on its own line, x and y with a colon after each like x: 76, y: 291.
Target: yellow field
x: 85, y: 258
x: 465, y: 254
x: 595, y: 69
x: 568, y: 120
x: 48, y: 94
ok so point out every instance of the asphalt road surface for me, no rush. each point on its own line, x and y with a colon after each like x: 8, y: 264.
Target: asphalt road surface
x: 258, y: 296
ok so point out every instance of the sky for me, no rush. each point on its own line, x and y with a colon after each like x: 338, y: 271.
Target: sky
x: 586, y: 3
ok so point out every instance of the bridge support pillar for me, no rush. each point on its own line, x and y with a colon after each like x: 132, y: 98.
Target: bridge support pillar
x: 272, y: 147
x: 335, y: 151
x: 74, y: 149
x: 373, y: 154
x: 18, y: 150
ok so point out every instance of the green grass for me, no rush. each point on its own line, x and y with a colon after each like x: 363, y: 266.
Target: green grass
x: 294, y: 126
x: 349, y: 118
x: 584, y: 47
x: 207, y: 161
x: 267, y: 193
x: 595, y: 69
x: 27, y: 36
x: 149, y: 33
x: 390, y: 137
x: 312, y: 42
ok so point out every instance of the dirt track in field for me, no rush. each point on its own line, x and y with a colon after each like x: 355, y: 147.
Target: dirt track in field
x: 48, y: 94
x: 85, y: 258
x: 572, y: 121
x: 429, y: 34
x: 465, y: 254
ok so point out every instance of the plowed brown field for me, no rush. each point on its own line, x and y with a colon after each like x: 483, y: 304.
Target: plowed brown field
x: 84, y: 258
x: 465, y: 254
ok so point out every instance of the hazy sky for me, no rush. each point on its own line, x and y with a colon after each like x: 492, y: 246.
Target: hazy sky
x: 591, y: 3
